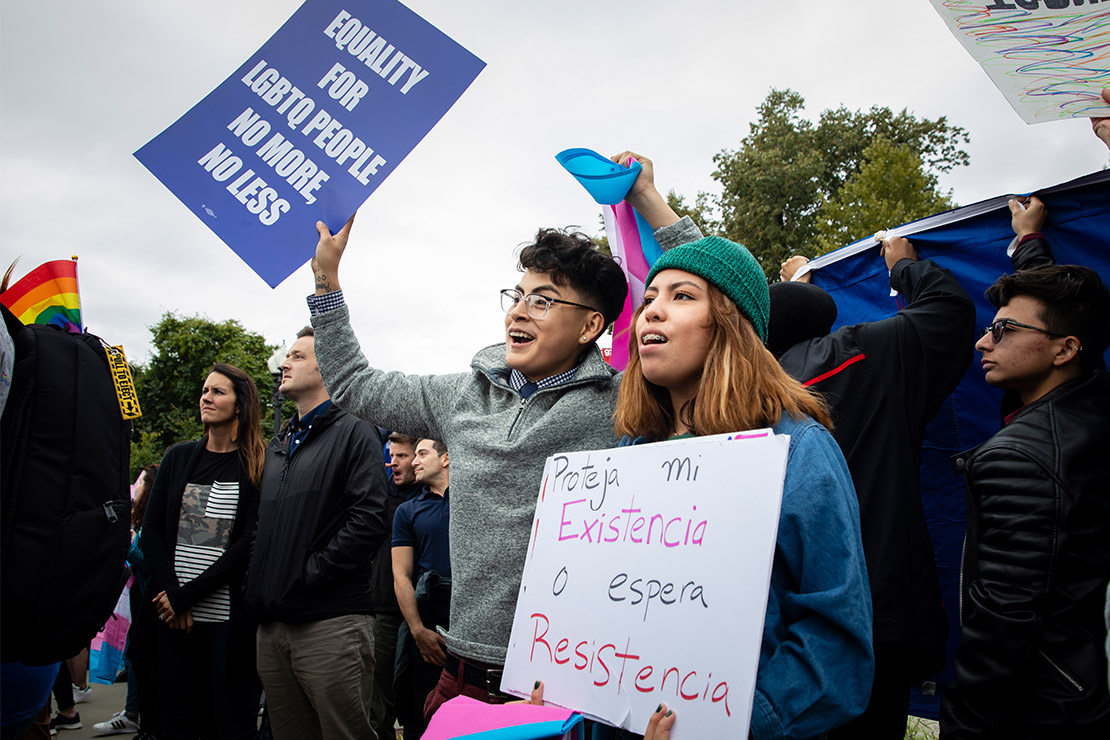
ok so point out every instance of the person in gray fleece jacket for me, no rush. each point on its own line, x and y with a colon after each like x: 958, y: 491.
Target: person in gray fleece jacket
x: 546, y: 389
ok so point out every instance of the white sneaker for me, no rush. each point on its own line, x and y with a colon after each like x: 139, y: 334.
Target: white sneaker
x: 81, y: 694
x: 118, y: 724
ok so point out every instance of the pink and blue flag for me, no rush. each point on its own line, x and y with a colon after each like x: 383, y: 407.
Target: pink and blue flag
x: 463, y: 717
x: 631, y: 239
x: 107, y: 648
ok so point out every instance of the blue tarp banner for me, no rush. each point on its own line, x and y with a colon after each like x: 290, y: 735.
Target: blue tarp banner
x: 970, y: 242
x: 309, y: 126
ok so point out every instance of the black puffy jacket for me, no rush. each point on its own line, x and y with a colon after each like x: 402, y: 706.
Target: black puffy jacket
x: 1031, y: 662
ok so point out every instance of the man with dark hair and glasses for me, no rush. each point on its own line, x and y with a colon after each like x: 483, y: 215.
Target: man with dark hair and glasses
x: 1037, y: 556
x: 546, y: 389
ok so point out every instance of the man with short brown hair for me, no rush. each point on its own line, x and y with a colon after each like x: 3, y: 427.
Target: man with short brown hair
x: 387, y: 614
x: 321, y: 520
x: 421, y: 579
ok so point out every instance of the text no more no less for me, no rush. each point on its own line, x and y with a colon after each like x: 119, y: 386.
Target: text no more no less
x: 336, y: 141
x: 309, y: 126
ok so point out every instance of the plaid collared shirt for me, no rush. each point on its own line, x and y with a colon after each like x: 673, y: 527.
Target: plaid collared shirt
x: 517, y: 379
x: 318, y: 304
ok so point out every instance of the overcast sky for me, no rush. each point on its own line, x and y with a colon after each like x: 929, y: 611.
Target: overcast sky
x: 83, y: 85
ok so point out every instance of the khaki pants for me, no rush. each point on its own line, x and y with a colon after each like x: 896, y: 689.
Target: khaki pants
x: 318, y: 677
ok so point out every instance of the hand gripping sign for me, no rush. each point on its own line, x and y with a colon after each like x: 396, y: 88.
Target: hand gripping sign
x: 646, y: 581
x: 309, y: 126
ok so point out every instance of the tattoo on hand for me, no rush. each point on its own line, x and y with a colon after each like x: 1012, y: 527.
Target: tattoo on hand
x: 322, y: 282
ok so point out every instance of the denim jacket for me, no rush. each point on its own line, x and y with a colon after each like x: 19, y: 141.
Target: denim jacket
x: 816, y: 661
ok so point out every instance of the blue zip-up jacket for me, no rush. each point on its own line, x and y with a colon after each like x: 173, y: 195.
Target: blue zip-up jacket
x: 816, y: 661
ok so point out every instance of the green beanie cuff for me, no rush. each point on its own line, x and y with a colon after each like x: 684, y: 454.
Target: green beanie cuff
x: 730, y: 267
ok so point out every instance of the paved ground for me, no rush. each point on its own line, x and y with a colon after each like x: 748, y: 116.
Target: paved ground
x: 107, y: 700
x: 103, y: 702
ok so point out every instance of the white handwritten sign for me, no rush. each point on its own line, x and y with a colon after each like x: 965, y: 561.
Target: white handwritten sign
x: 1046, y: 56
x: 646, y: 581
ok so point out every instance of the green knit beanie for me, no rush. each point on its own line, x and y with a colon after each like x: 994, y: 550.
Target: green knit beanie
x: 729, y: 266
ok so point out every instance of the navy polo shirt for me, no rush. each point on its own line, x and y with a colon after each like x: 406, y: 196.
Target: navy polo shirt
x: 421, y: 523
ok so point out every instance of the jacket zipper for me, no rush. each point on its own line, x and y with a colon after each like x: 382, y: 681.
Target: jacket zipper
x: 524, y: 401
x: 519, y: 411
x: 960, y: 604
x: 1066, y: 676
x: 281, y: 490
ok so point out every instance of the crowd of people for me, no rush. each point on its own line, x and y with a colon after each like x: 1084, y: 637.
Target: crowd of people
x: 347, y: 595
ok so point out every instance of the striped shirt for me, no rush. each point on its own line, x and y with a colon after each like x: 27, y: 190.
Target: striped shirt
x: 208, y: 506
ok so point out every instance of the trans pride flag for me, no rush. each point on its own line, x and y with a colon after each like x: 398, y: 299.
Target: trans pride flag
x: 107, y: 648
x: 631, y: 239
x: 463, y: 717
x: 47, y: 295
x: 632, y: 242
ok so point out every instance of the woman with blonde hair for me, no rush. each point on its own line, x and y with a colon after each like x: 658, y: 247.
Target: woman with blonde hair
x: 196, y: 539
x: 697, y: 367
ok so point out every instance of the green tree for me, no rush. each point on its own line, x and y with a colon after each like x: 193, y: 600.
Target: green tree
x: 184, y: 348
x: 702, y: 212
x: 891, y: 188
x: 775, y: 185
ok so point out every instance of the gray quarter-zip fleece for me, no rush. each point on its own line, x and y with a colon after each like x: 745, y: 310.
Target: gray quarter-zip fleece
x: 498, y: 444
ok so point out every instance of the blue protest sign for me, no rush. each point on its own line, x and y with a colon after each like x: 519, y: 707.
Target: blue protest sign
x: 309, y: 126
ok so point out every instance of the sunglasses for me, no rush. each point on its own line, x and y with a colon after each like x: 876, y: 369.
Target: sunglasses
x: 998, y: 329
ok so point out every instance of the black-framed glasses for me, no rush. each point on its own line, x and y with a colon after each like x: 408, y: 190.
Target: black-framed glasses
x: 536, y: 304
x: 998, y: 328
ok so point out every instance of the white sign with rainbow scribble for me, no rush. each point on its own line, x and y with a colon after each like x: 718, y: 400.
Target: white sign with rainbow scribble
x: 1050, y: 58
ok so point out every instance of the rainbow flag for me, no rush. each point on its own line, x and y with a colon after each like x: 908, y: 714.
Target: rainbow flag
x: 47, y: 295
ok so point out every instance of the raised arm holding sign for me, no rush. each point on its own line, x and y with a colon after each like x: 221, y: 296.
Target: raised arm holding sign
x: 544, y: 390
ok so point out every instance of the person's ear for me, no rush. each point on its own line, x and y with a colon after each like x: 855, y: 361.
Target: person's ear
x: 446, y: 459
x: 1068, y: 351
x: 593, y: 327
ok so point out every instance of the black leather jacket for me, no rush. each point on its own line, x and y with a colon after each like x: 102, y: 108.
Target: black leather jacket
x: 1036, y: 564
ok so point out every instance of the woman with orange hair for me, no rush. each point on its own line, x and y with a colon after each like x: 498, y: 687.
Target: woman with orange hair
x: 697, y: 366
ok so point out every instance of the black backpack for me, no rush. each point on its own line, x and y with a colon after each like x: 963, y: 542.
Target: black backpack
x: 66, y: 508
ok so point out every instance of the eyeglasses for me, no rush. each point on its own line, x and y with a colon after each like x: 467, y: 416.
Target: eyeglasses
x: 537, y: 304
x: 997, y: 330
